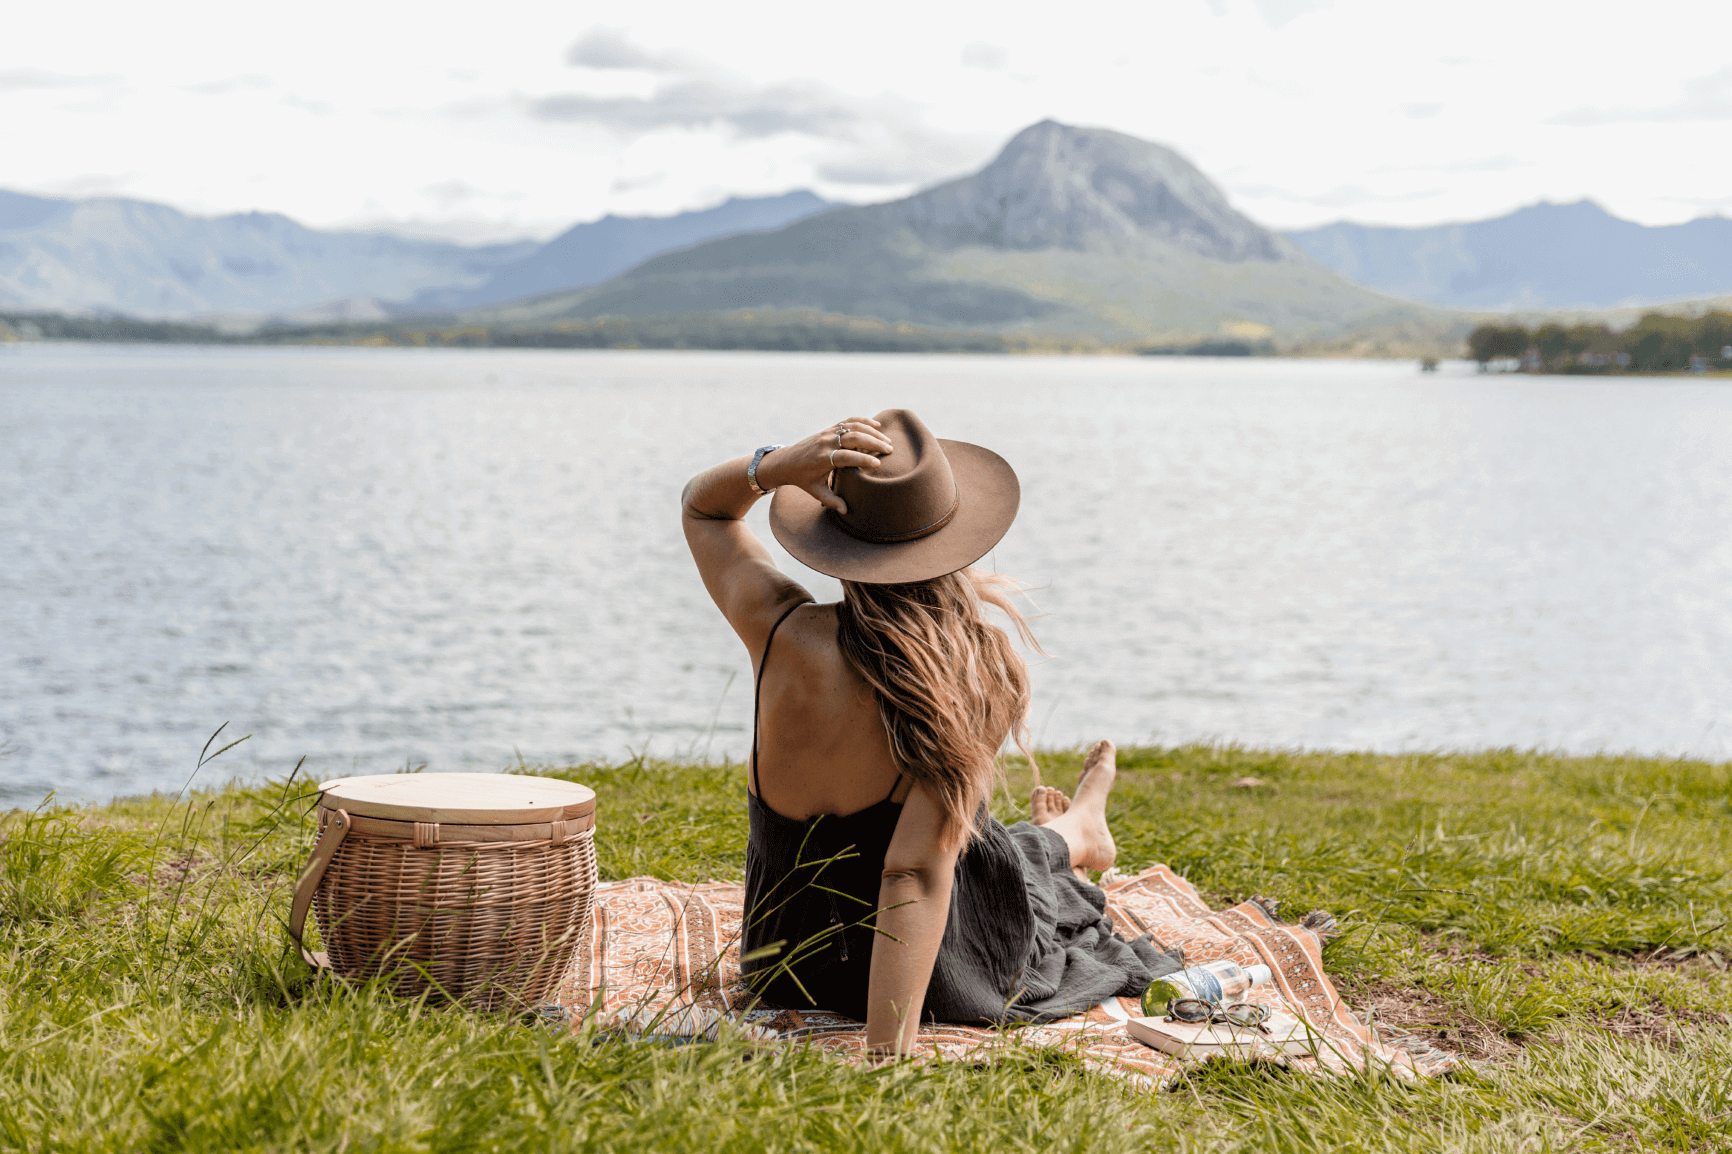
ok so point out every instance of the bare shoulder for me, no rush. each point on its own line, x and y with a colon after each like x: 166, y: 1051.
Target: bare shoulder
x: 808, y: 635
x: 807, y: 662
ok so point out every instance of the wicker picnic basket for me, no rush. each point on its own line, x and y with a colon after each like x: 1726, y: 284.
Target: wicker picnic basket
x: 471, y: 886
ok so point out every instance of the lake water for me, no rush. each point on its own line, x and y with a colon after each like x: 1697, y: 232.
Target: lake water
x: 384, y: 557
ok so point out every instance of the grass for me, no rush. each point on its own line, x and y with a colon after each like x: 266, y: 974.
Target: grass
x: 1563, y: 918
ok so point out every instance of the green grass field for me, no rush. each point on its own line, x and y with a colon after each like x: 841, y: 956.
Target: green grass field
x: 1563, y: 919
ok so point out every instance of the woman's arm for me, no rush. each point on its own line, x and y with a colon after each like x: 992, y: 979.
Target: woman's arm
x: 913, y: 909
x: 745, y: 585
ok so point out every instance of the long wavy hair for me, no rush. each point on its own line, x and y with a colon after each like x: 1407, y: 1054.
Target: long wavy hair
x: 950, y: 685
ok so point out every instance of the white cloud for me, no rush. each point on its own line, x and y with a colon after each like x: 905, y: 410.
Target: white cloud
x: 605, y: 48
x: 872, y: 143
x: 802, y: 108
x: 984, y: 56
x: 1341, y: 196
x: 19, y: 78
x: 228, y: 85
x: 1280, y: 13
x: 902, y: 156
x: 86, y: 185
x: 1303, y: 110
x: 1703, y: 98
x: 447, y: 193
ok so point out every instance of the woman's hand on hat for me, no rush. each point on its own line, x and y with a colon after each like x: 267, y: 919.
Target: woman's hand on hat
x: 855, y: 443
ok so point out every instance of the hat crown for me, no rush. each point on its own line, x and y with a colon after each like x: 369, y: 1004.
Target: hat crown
x: 931, y: 507
x: 911, y: 494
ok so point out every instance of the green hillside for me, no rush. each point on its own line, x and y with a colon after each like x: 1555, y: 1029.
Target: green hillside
x: 1071, y: 231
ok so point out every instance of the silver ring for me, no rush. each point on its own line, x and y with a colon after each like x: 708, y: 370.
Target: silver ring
x: 841, y: 431
x: 833, y: 453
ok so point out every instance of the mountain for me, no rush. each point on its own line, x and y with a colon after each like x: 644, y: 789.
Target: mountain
x: 1545, y: 256
x: 1069, y: 230
x: 587, y: 253
x: 149, y: 260
x: 1058, y: 186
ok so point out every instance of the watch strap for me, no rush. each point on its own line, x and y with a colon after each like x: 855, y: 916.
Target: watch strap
x: 752, y: 469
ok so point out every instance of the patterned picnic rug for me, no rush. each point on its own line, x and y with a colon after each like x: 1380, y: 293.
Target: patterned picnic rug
x: 662, y: 958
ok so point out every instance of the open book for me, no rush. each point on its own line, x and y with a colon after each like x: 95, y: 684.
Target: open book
x: 1286, y: 1035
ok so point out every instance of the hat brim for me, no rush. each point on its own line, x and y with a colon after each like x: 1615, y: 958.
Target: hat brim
x: 988, y: 495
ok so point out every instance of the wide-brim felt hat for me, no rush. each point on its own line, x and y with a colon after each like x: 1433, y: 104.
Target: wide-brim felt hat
x: 932, y: 507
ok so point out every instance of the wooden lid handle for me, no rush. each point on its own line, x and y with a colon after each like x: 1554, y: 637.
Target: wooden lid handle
x: 329, y: 840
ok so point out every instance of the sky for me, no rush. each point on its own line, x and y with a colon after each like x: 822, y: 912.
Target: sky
x: 519, y: 118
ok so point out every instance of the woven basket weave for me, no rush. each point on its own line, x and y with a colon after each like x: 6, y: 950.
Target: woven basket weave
x: 473, y: 887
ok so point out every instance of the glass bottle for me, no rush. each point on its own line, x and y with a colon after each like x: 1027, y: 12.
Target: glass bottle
x: 1212, y: 981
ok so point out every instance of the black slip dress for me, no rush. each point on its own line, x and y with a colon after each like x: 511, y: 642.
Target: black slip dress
x: 1026, y: 941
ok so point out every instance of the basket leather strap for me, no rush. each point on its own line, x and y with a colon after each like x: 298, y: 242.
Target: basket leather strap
x: 330, y: 839
x: 433, y: 834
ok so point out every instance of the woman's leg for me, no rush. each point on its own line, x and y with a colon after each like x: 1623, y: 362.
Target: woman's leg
x: 1082, y: 821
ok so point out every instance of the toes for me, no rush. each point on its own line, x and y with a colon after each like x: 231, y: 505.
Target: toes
x: 1103, y: 753
x: 1099, y: 772
x: 1046, y: 803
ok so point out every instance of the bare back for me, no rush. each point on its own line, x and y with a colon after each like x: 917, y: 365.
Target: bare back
x: 821, y: 741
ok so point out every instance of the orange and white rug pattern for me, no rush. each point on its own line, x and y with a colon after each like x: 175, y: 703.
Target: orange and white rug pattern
x: 662, y: 958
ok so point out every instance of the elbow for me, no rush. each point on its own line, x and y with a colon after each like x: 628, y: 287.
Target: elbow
x: 913, y: 881
x: 689, y: 510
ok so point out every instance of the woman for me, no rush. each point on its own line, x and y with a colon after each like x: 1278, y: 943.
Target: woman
x: 876, y: 884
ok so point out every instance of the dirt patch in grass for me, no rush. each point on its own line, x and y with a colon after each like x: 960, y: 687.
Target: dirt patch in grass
x: 167, y: 875
x: 1421, y: 1012
x: 1659, y: 1024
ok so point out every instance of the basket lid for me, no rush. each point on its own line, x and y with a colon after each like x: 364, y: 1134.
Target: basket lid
x: 465, y: 798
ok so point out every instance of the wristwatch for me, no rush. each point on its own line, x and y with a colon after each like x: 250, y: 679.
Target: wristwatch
x: 752, y: 469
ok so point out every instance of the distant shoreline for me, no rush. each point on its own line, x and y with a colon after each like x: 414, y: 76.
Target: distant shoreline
x: 1656, y: 345
x: 756, y: 331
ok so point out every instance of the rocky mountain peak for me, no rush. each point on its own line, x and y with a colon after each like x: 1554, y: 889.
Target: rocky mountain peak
x: 1059, y: 186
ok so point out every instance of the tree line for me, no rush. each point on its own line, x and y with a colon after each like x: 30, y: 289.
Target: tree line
x: 1655, y: 344
x: 54, y: 327
x: 793, y: 331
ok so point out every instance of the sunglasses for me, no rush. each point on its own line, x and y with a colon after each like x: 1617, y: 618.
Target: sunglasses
x: 1199, y: 1010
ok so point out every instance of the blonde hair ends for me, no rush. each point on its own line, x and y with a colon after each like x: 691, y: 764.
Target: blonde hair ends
x: 950, y: 685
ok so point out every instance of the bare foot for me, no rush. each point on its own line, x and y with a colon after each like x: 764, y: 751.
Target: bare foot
x: 1046, y: 803
x: 1100, y: 770
x: 1083, y: 825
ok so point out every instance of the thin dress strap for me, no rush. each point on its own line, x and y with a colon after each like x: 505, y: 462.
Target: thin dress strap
x: 758, y: 687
